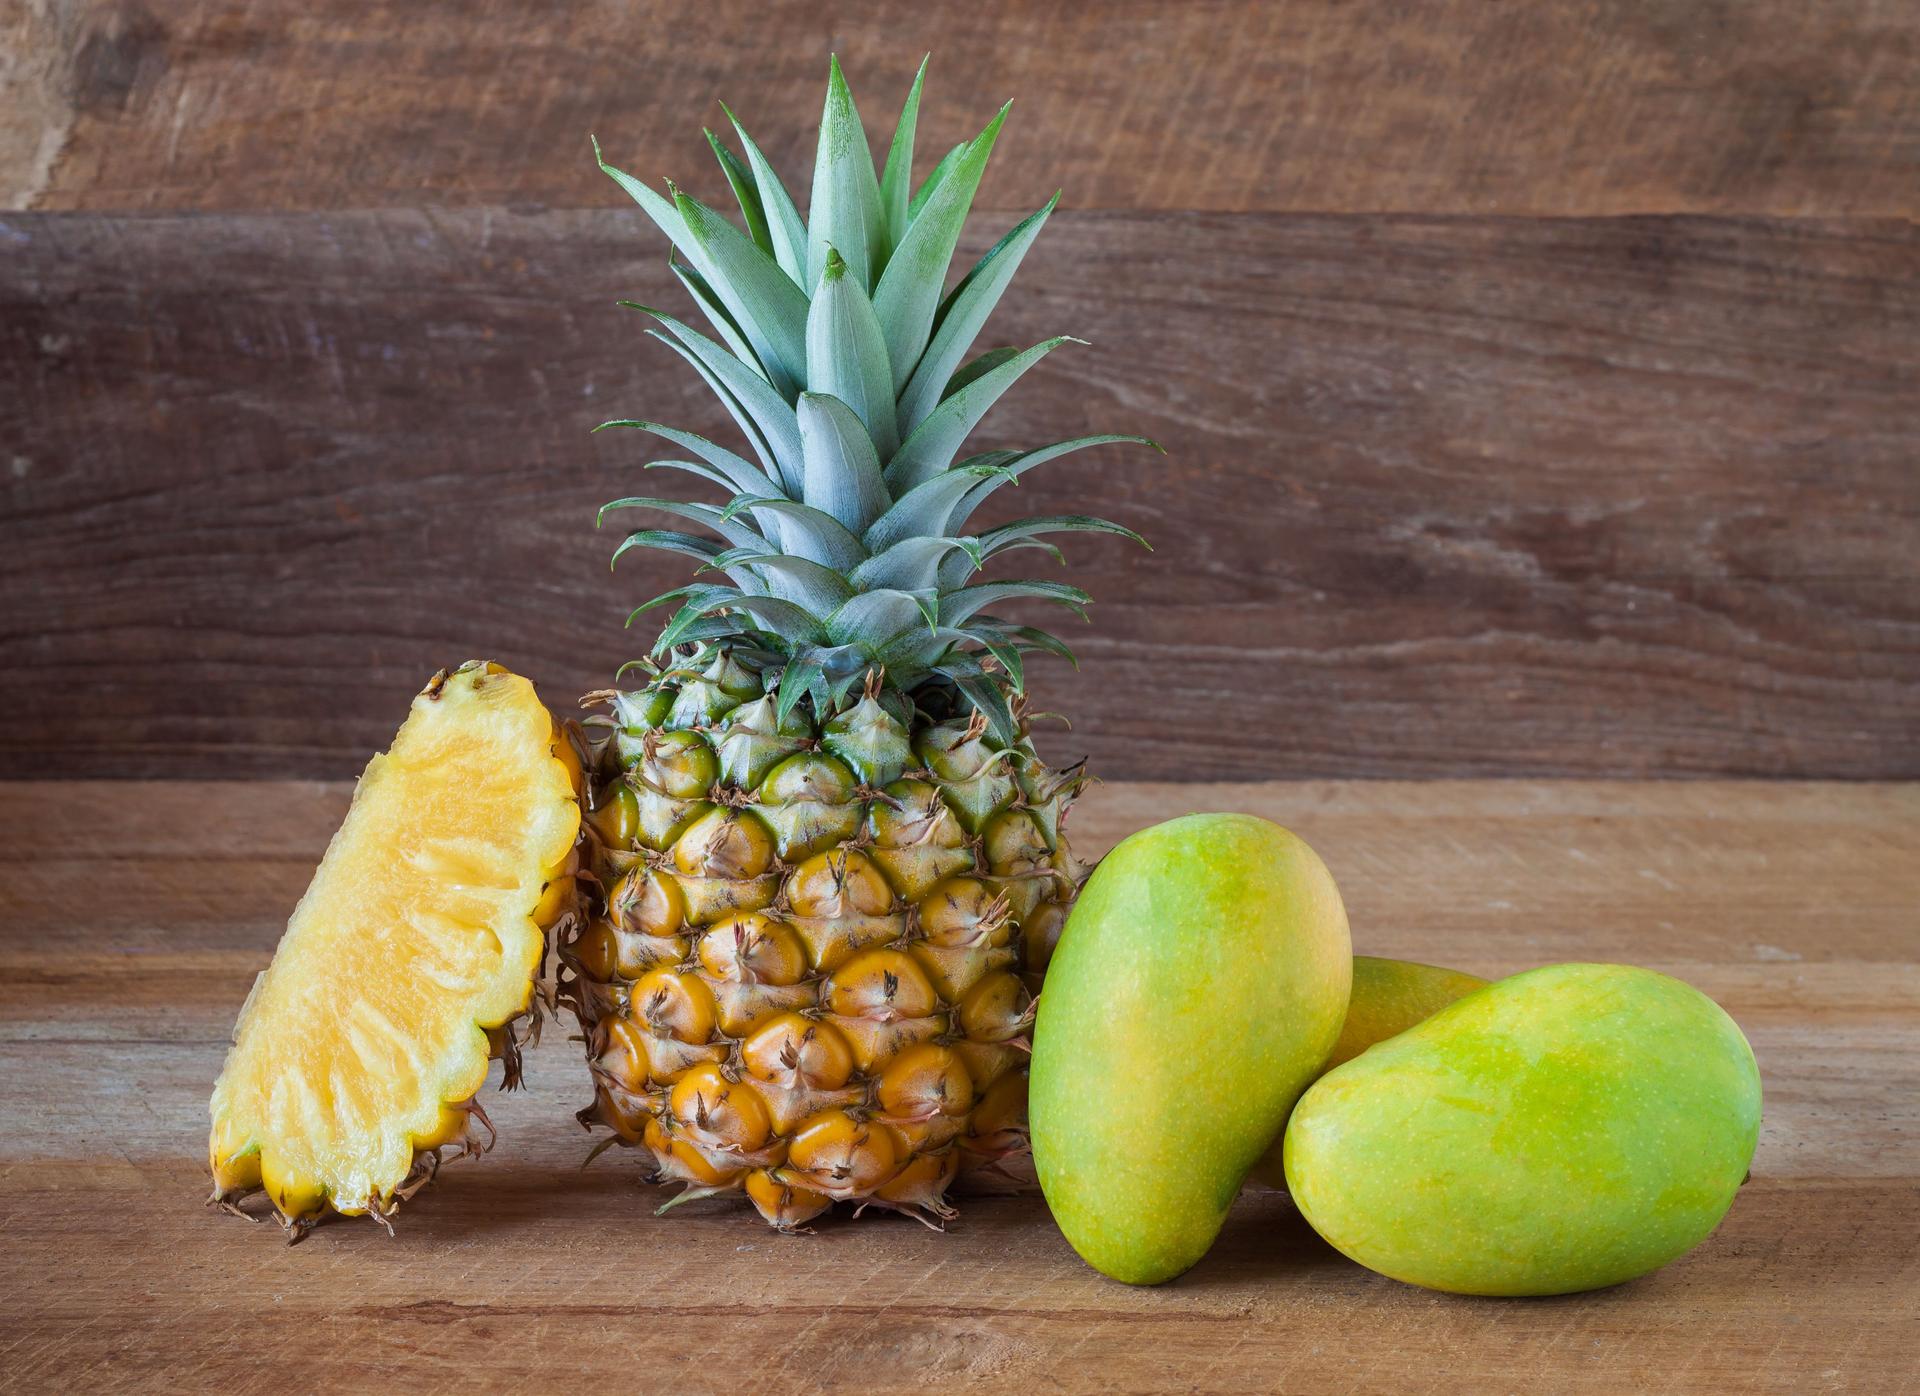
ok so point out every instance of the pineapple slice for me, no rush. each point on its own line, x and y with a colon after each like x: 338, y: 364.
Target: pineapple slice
x: 358, y: 1052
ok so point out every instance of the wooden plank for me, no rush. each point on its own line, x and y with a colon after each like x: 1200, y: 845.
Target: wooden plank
x: 1628, y: 497
x: 1769, y: 106
x: 1785, y: 901
x: 1489, y: 876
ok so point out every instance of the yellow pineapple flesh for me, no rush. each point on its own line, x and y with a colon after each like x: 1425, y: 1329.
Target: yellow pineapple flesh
x: 359, y: 1052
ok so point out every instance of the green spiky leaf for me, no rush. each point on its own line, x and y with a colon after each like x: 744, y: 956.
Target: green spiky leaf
x: 909, y: 293
x: 845, y: 209
x: 745, y: 193
x: 846, y: 356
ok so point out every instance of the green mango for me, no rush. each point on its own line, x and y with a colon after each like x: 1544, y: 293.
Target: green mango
x: 1389, y: 996
x: 1562, y: 1130
x: 1200, y: 983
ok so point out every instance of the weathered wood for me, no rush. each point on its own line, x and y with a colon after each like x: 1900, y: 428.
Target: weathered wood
x: 1622, y: 106
x: 132, y: 916
x: 1625, y: 497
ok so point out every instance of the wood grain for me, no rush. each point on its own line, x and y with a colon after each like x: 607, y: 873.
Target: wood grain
x: 1617, y: 106
x: 1455, y: 496
x: 1792, y: 904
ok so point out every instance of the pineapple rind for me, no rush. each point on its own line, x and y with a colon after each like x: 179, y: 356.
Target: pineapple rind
x: 415, y: 936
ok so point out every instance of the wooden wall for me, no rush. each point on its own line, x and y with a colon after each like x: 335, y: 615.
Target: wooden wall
x: 1541, y: 384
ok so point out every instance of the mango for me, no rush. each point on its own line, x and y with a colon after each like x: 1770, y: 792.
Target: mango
x: 1566, y: 1129
x: 1198, y: 987
x: 1389, y: 996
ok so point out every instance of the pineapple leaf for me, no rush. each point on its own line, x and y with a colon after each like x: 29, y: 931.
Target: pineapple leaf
x: 980, y: 690
x: 842, y: 470
x: 669, y: 541
x: 716, y: 314
x: 716, y: 627
x: 1031, y: 639
x: 731, y: 529
x: 1005, y: 651
x: 746, y: 392
x: 769, y: 464
x: 874, y: 617
x: 937, y: 440
x: 845, y: 209
x: 744, y: 476
x: 909, y: 292
x: 923, y: 510
x: 976, y: 368
x: 996, y: 540
x: 896, y: 184
x: 740, y: 179
x: 657, y: 207
x: 807, y: 532
x: 783, y: 618
x: 763, y: 301
x: 962, y: 316
x: 819, y: 589
x: 700, y: 468
x: 802, y: 673
x: 1026, y: 461
x: 913, y: 564
x: 1038, y: 545
x: 956, y: 606
x: 785, y: 231
x: 934, y: 179
x: 846, y: 355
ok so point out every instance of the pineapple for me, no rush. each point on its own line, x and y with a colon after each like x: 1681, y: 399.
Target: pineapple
x: 828, y: 864
x: 407, y: 965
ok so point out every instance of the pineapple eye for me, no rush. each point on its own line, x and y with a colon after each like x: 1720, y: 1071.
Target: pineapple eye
x: 996, y: 1009
x: 711, y: 1110
x: 748, y: 948
x: 843, y: 883
x: 726, y: 844
x: 616, y: 816
x: 670, y: 1004
x: 923, y: 1082
x: 778, y: 1196
x: 963, y: 911
x: 884, y: 985
x: 793, y: 1050
x: 842, y: 1156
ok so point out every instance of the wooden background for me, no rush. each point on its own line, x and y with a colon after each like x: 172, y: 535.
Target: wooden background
x: 1541, y: 383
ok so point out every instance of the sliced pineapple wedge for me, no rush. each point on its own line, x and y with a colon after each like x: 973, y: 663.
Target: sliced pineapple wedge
x: 358, y: 1053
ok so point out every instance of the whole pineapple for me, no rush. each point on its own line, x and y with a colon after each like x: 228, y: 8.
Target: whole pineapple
x: 830, y: 865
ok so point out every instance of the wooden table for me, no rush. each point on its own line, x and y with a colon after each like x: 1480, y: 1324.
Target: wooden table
x: 132, y: 917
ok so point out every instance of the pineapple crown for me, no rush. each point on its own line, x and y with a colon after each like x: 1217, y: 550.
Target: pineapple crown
x: 844, y: 541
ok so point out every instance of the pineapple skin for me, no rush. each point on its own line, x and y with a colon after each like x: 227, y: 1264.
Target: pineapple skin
x: 306, y: 1165
x: 808, y: 971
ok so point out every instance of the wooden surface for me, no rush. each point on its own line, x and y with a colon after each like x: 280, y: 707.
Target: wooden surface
x: 133, y: 916
x: 1455, y: 106
x: 1541, y: 382
x: 1442, y: 496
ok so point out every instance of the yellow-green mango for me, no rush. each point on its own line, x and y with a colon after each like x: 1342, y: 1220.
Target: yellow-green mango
x: 1200, y: 983
x: 1389, y: 996
x: 1568, y: 1128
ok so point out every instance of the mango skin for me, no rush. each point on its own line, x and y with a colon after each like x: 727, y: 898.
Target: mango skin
x: 1200, y: 983
x: 1389, y: 996
x: 1568, y: 1128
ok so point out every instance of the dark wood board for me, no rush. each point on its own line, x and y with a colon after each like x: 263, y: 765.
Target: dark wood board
x: 1467, y: 496
x: 1460, y: 106
x: 134, y: 915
